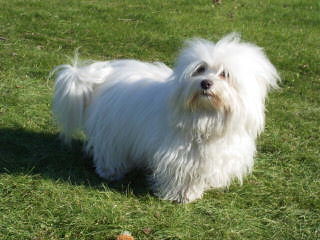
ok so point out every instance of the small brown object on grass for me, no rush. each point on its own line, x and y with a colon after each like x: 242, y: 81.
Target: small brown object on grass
x: 125, y: 236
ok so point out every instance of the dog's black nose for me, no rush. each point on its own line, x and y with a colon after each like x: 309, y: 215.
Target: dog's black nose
x: 206, y: 84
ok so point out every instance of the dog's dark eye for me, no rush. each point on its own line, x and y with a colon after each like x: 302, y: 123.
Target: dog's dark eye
x: 201, y: 69
x: 223, y: 74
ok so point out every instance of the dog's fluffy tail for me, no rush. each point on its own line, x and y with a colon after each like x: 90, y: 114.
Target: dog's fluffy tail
x: 74, y: 86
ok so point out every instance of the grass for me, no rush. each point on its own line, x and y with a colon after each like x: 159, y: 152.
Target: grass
x: 49, y: 191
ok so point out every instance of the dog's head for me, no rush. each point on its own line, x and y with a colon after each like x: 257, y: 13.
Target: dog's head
x: 229, y: 78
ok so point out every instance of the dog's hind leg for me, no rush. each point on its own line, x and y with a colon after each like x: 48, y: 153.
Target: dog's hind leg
x: 111, y: 173
x: 109, y: 165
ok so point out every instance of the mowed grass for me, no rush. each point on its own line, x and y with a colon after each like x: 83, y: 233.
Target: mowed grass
x: 49, y: 191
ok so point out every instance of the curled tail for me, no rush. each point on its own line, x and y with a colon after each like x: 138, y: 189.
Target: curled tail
x: 74, y: 86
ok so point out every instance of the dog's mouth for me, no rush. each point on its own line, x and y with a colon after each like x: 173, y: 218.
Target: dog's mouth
x: 205, y: 93
x: 204, y: 99
x: 207, y: 99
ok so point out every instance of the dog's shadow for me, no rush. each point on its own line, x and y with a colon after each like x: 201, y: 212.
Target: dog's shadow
x: 37, y: 153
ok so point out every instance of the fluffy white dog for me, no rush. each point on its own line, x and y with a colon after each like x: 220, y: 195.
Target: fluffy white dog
x: 194, y: 126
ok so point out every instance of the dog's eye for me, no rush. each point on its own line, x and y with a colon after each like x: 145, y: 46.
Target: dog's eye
x: 201, y: 69
x: 223, y: 74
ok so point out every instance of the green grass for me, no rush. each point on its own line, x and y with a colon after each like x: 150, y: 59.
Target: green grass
x: 49, y: 191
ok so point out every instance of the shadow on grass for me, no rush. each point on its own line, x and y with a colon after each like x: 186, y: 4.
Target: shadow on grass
x: 26, y: 152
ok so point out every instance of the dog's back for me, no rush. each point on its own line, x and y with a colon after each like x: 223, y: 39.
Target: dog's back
x: 76, y: 85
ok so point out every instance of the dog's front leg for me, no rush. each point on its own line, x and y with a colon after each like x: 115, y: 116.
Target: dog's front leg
x: 177, y: 182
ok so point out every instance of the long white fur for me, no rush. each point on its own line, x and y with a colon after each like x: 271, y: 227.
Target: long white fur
x: 146, y: 115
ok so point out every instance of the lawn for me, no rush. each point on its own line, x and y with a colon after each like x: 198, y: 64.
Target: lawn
x: 50, y: 191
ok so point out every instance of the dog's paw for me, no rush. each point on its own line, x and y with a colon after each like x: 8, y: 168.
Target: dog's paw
x: 190, y: 196
x: 185, y: 197
x: 109, y: 174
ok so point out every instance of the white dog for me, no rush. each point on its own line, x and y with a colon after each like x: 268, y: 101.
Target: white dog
x: 194, y: 126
